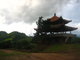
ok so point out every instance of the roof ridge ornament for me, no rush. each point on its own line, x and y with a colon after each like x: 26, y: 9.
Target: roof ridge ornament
x: 54, y: 14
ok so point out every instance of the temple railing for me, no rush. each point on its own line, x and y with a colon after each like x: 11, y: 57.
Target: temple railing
x: 65, y: 35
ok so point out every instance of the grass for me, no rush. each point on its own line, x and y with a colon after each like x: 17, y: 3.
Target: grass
x: 3, y: 53
x: 63, y: 48
x: 13, y: 55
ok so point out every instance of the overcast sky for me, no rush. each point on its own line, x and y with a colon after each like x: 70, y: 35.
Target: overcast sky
x: 20, y: 15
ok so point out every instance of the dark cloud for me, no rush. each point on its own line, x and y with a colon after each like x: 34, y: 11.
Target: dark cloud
x: 46, y: 8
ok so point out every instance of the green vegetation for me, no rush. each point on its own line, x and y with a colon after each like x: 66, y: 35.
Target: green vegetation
x: 15, y: 40
x: 19, y: 41
x: 63, y: 48
x: 19, y: 47
x: 76, y: 40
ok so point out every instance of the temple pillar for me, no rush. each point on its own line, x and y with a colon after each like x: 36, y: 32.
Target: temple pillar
x: 53, y: 32
x: 70, y: 32
x: 65, y: 32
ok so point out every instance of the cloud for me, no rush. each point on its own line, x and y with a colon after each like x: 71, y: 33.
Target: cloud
x: 44, y: 8
x: 28, y: 29
x: 31, y: 10
x: 28, y: 11
x: 72, y: 11
x: 69, y: 9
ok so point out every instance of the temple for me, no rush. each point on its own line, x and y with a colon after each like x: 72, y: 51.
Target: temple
x: 55, y: 28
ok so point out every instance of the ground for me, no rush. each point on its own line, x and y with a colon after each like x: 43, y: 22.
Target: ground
x: 40, y: 56
x: 57, y: 54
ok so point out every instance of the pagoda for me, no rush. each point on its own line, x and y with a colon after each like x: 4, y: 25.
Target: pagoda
x: 54, y: 29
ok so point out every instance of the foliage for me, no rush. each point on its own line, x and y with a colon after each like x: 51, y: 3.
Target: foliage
x: 15, y: 40
x: 3, y: 35
x: 76, y: 40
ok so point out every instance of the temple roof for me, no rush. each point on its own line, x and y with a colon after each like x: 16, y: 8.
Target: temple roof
x: 61, y: 29
x: 67, y: 28
x: 55, y: 24
x: 56, y: 18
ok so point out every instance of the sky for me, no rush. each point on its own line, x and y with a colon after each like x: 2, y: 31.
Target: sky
x: 21, y: 15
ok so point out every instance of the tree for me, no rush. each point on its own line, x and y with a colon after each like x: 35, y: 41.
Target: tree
x: 19, y: 40
x: 3, y: 35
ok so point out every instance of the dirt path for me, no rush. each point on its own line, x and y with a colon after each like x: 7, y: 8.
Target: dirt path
x: 6, y: 51
x: 55, y: 56
x: 42, y: 56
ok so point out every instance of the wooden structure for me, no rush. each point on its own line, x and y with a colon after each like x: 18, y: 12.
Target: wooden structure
x: 55, y: 27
